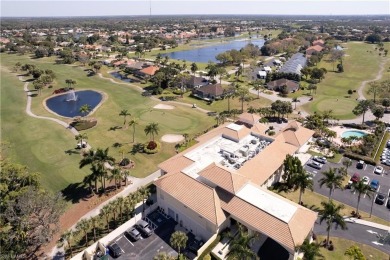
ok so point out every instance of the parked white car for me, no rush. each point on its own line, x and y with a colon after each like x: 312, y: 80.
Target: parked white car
x: 366, y: 180
x: 378, y: 170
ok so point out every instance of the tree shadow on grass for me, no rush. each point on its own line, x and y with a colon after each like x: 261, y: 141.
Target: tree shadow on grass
x: 114, y: 128
x: 75, y: 192
x: 71, y: 151
x: 28, y: 80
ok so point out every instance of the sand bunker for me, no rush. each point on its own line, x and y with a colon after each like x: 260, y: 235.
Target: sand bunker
x: 172, y: 138
x: 163, y: 106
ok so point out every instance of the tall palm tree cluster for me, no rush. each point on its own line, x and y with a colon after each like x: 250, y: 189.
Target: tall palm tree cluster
x: 111, y: 216
x: 102, y: 169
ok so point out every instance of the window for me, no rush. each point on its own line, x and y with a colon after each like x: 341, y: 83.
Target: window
x: 161, y: 196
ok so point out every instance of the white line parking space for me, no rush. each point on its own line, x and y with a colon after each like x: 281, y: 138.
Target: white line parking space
x: 128, y: 240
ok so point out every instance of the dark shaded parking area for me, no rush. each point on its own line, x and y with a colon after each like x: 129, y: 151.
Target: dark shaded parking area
x: 271, y: 250
x: 149, y: 247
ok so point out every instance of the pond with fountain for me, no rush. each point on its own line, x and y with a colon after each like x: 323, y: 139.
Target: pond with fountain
x: 68, y: 104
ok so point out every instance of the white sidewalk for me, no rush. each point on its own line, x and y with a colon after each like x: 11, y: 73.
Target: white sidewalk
x: 367, y: 223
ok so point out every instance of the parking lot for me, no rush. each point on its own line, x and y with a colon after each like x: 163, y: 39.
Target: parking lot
x: 347, y: 196
x: 148, y: 247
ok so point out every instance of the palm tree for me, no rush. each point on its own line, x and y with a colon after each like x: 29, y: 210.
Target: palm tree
x: 347, y: 163
x: 85, y: 109
x: 94, y: 223
x: 105, y: 212
x: 88, y: 179
x: 129, y: 203
x: 125, y: 174
x: 120, y: 204
x: 229, y: 93
x: 239, y: 72
x: 98, y: 160
x: 81, y: 138
x: 178, y: 240
x: 84, y: 225
x: 194, y: 67
x: 116, y: 175
x: 311, y: 251
x: 139, y: 50
x: 258, y: 85
x: 152, y: 129
x: 67, y: 236
x: 331, y: 180
x: 302, y: 181
x: 295, y: 100
x: 361, y: 188
x: 242, y: 93
x: 133, y: 122
x: 331, y: 214
x: 114, y: 209
x: 185, y: 135
x: 326, y: 115
x: 144, y: 194
x: 124, y: 113
x: 240, y: 246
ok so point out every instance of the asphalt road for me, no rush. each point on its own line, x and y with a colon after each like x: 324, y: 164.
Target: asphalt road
x: 356, y: 232
x: 349, y: 198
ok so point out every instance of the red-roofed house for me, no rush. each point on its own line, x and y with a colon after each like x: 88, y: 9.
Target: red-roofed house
x: 148, y: 71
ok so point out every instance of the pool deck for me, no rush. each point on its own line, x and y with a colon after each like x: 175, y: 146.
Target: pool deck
x: 340, y: 130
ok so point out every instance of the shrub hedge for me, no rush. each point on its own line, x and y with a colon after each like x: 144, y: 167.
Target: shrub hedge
x: 149, y: 150
x: 355, y: 156
x: 83, y: 124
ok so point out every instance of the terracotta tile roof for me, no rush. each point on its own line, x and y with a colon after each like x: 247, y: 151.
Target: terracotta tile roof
x: 315, y: 48
x: 294, y: 133
x: 193, y: 194
x: 151, y: 70
x: 231, y: 182
x: 289, y: 234
x: 236, y: 134
x: 262, y: 166
x: 248, y: 118
x: 175, y: 164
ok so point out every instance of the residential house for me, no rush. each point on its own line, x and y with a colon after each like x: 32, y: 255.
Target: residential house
x: 319, y: 42
x: 209, y: 92
x: 312, y: 49
x: 148, y: 72
x: 223, y: 180
x: 195, y: 82
x: 277, y: 85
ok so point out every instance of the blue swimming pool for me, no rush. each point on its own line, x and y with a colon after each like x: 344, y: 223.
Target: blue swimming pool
x: 350, y: 133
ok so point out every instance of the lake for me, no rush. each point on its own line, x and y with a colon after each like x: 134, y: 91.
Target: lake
x: 208, y: 53
x: 64, y: 106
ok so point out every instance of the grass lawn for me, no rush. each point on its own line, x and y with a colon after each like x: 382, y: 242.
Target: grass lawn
x: 41, y: 145
x: 108, y: 131
x: 336, y: 159
x: 341, y: 245
x: 386, y: 72
x: 313, y: 200
x: 332, y: 91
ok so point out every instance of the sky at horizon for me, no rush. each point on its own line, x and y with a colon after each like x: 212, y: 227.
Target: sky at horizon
x: 58, y: 8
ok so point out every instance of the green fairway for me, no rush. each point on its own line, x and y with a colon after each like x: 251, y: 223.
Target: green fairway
x: 361, y: 63
x: 39, y: 144
x: 46, y: 147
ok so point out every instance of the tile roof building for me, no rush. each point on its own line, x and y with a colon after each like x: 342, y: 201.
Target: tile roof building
x: 224, y: 177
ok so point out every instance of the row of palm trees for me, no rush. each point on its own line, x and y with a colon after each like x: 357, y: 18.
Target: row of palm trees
x: 102, y: 169
x: 111, y: 215
x: 151, y: 129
